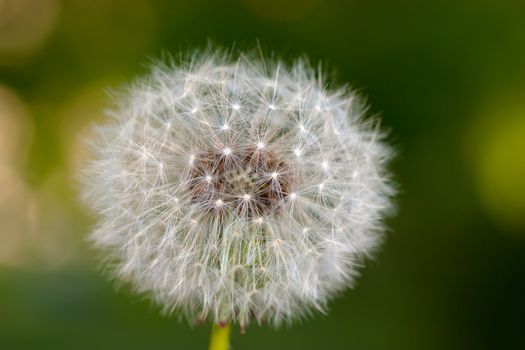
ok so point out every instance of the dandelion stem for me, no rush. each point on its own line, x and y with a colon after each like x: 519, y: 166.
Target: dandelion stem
x: 220, y: 337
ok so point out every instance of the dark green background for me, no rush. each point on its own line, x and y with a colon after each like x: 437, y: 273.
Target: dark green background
x: 447, y: 77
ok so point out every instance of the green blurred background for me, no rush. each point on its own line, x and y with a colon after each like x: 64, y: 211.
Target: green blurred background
x: 448, y: 78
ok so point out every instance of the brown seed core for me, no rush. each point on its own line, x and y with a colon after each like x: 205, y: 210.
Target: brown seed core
x: 249, y: 181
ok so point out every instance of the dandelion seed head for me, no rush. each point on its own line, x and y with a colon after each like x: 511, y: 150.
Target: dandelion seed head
x: 238, y: 214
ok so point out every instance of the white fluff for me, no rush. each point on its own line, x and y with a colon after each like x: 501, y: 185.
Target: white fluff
x: 238, y: 190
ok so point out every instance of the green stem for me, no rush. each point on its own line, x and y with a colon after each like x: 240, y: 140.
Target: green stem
x: 220, y: 337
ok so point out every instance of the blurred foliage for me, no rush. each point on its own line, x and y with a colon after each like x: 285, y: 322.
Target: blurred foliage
x: 448, y: 78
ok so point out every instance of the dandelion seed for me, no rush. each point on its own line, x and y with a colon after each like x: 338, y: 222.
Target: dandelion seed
x: 251, y: 257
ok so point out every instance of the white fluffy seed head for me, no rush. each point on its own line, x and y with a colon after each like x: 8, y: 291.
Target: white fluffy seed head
x: 256, y: 205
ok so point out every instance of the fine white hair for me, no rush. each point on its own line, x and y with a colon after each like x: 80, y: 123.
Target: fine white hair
x: 238, y: 189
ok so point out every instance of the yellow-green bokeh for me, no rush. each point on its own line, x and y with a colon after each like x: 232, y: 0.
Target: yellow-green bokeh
x: 497, y: 140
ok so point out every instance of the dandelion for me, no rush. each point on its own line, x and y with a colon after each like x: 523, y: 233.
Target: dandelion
x: 237, y: 190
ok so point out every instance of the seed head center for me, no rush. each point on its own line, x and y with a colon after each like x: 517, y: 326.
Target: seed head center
x: 244, y: 184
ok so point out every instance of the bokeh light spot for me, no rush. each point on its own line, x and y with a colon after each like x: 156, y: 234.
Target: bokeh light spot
x: 499, y: 159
